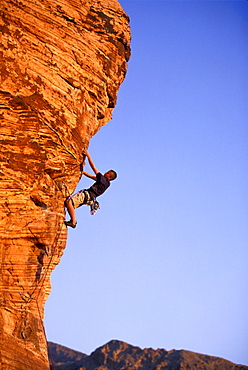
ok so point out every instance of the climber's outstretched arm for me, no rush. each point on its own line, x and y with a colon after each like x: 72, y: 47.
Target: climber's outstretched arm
x: 89, y: 175
x: 91, y: 163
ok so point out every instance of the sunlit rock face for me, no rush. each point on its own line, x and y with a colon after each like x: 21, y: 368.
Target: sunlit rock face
x: 62, y: 62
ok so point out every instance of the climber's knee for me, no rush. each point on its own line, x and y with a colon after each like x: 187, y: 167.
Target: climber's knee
x: 68, y: 202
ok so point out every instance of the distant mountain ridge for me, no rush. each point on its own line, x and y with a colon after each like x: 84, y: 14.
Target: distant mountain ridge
x: 118, y: 355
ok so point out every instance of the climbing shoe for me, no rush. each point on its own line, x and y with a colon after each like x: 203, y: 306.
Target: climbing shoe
x: 69, y: 223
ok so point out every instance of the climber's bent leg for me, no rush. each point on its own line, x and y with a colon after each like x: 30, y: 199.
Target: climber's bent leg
x: 72, y: 213
x: 77, y: 200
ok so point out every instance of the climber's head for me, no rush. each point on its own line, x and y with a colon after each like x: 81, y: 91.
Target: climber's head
x: 110, y: 175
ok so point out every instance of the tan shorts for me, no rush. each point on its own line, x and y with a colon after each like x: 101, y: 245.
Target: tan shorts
x: 80, y: 198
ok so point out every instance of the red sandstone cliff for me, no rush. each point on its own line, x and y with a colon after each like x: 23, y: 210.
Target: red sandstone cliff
x: 62, y: 62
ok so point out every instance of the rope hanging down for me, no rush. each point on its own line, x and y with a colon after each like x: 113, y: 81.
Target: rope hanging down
x: 38, y: 288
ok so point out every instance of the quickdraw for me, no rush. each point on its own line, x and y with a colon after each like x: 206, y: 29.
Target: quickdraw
x: 94, y: 206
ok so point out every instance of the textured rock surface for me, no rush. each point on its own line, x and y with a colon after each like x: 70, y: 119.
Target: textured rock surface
x: 62, y: 62
x: 117, y: 355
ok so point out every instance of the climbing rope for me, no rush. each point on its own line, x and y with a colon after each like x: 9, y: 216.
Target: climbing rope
x: 37, y: 288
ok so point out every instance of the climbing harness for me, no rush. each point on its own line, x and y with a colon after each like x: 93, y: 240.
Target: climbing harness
x: 87, y: 200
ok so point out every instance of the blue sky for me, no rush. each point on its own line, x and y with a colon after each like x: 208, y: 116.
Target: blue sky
x: 163, y: 263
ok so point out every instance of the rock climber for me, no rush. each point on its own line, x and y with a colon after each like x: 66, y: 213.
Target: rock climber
x: 88, y: 196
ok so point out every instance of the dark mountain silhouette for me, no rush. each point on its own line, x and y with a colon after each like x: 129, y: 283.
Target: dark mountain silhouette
x: 118, y: 355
